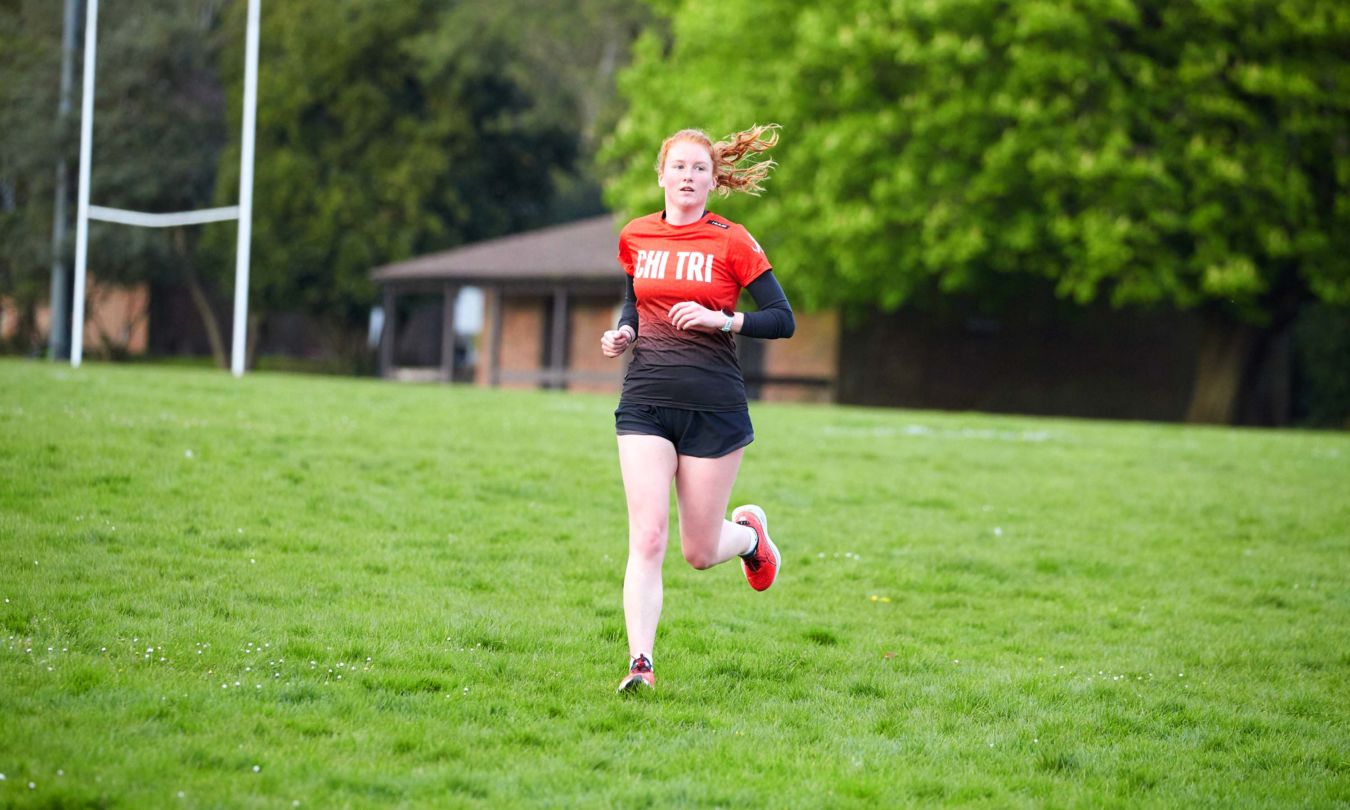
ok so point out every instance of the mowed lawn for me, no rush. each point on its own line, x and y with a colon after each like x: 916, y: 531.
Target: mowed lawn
x: 289, y: 591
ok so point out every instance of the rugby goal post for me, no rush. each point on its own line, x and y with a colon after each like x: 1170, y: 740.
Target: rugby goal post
x: 243, y: 212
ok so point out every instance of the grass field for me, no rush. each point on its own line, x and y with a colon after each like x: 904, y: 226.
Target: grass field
x: 289, y: 591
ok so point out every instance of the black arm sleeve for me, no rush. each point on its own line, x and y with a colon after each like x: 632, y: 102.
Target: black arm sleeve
x: 628, y: 317
x: 774, y: 318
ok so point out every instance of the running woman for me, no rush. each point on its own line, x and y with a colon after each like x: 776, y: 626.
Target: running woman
x: 682, y: 416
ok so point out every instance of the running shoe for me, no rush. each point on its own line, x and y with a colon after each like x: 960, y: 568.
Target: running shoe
x: 640, y: 675
x: 761, y: 567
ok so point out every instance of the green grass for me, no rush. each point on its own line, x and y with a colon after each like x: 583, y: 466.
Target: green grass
x: 281, y: 589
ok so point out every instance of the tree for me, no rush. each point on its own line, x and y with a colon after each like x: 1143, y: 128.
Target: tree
x: 392, y: 128
x: 581, y: 51
x: 385, y: 129
x: 1183, y: 154
x: 30, y: 51
x: 158, y: 132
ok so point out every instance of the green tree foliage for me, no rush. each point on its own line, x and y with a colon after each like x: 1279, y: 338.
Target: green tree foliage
x: 716, y: 68
x: 578, y: 52
x: 1191, y: 154
x: 158, y: 133
x: 392, y: 128
x: 1177, y: 152
x: 29, y: 148
x: 385, y: 129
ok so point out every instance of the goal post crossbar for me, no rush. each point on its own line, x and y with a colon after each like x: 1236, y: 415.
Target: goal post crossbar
x: 146, y: 220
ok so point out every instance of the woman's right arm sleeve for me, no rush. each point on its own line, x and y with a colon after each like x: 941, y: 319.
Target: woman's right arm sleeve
x: 628, y: 316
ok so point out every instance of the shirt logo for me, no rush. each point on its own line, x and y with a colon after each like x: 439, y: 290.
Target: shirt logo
x: 689, y: 265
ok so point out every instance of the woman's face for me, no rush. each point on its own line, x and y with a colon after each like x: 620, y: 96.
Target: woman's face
x: 687, y: 175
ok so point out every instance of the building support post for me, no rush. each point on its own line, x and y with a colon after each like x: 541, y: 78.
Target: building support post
x: 451, y: 292
x: 388, y: 331
x: 557, y: 360
x: 495, y: 319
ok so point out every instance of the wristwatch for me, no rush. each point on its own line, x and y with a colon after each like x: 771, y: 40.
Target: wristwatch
x: 731, y: 321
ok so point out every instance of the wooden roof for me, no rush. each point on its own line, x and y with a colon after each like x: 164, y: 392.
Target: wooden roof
x: 583, y: 251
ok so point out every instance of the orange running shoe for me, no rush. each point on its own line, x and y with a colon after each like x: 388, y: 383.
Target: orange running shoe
x: 761, y: 568
x: 640, y: 675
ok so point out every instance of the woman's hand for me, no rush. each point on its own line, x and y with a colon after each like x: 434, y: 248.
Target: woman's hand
x: 615, y: 341
x: 694, y: 317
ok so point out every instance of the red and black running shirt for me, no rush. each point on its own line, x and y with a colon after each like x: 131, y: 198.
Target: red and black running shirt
x: 709, y: 262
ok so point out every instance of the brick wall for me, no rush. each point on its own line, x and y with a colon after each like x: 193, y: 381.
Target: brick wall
x: 588, y: 319
x: 802, y: 369
x: 116, y: 319
x: 522, y: 344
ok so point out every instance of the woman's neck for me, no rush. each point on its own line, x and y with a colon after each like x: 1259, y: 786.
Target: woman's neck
x: 683, y: 216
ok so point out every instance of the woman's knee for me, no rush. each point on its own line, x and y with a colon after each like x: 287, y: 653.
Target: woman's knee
x: 700, y: 560
x: 699, y: 555
x: 647, y: 542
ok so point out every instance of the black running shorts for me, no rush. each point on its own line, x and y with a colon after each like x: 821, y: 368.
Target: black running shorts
x: 705, y: 434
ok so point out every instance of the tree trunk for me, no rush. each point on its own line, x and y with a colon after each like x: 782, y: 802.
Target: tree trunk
x: 26, y: 334
x: 200, y: 299
x: 255, y: 327
x: 1267, y: 398
x: 1226, y: 350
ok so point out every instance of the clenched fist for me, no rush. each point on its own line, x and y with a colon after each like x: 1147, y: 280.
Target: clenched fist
x: 615, y: 341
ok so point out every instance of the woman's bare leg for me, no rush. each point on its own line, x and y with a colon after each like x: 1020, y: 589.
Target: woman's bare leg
x: 648, y: 464
x: 703, y: 487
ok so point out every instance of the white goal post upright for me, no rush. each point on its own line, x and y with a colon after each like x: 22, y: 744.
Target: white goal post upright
x: 242, y: 212
x: 82, y: 209
x: 245, y: 192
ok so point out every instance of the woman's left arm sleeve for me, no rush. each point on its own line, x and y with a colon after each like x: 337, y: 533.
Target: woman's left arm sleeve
x: 628, y: 316
x: 774, y: 318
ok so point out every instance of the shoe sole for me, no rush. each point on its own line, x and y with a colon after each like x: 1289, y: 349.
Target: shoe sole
x: 633, y: 684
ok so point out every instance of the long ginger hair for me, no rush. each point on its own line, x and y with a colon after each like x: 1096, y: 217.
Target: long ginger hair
x: 727, y: 154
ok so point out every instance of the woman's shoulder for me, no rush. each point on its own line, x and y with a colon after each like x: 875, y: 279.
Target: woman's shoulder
x: 735, y: 231
x: 728, y: 225
x: 642, y: 223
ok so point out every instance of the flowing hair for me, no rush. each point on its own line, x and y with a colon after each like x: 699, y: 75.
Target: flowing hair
x: 727, y: 156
